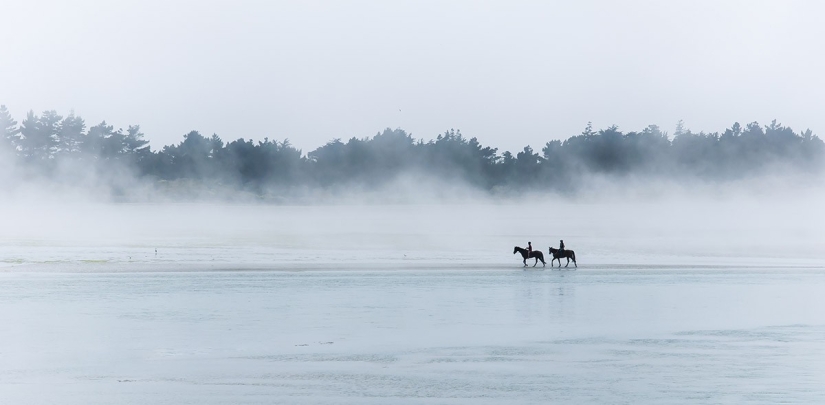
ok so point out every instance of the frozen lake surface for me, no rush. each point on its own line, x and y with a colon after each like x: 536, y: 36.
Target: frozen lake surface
x: 645, y: 335
x: 696, y: 303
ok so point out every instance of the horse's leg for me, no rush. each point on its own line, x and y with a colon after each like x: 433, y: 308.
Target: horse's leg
x: 568, y: 262
x: 525, y: 262
x: 537, y: 261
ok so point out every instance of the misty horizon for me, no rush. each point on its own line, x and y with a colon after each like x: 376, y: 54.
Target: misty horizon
x: 64, y: 149
x: 324, y: 202
x: 498, y: 71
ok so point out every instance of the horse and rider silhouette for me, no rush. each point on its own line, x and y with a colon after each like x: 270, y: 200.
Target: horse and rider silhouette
x: 557, y: 254
x: 530, y: 254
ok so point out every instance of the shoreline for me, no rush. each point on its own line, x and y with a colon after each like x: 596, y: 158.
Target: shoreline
x: 194, y: 267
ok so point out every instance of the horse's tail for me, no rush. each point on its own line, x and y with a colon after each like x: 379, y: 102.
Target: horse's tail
x: 574, y: 255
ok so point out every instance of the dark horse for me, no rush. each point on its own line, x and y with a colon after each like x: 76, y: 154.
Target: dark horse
x: 536, y: 254
x: 557, y: 255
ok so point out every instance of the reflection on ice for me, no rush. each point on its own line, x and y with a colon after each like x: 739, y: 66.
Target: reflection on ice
x: 406, y: 304
x: 230, y: 237
x: 461, y: 336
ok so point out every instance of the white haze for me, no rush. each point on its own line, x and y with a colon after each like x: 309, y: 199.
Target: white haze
x: 509, y: 73
x: 679, y: 294
x: 116, y: 288
x: 417, y: 227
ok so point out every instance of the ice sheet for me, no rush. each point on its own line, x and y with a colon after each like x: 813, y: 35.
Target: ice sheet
x: 702, y: 302
x: 676, y: 335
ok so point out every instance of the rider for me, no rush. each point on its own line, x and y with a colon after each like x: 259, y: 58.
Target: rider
x: 561, y: 246
x: 529, y: 249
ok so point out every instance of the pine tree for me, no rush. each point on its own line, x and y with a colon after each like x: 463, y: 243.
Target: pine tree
x: 40, y: 135
x: 8, y: 129
x: 70, y: 134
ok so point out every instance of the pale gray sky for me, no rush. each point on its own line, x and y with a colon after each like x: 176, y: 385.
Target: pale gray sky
x: 510, y: 73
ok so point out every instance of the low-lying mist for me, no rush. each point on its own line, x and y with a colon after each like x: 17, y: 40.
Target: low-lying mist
x: 102, y: 197
x: 60, y: 155
x: 678, y: 229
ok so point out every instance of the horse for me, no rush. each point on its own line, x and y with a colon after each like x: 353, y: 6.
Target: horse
x: 568, y: 254
x: 536, y: 254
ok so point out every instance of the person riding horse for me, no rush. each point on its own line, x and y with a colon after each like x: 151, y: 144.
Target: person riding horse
x: 529, y: 253
x: 560, y: 253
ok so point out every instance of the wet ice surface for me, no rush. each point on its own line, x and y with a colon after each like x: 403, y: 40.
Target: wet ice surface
x: 679, y: 335
x: 691, y: 303
x: 144, y: 237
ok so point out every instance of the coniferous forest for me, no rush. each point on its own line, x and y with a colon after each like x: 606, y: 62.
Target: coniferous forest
x: 50, y: 145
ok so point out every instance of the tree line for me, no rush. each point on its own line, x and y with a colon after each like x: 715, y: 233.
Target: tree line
x: 47, y: 143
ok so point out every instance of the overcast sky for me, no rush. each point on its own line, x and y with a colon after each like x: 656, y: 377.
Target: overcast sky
x: 510, y: 73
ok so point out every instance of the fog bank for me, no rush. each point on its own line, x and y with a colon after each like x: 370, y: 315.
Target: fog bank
x: 58, y: 153
x: 698, y: 230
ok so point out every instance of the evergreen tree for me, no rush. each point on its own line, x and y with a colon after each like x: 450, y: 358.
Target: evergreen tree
x: 94, y: 145
x: 39, y: 135
x: 8, y: 129
x: 133, y: 142
x: 70, y: 134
